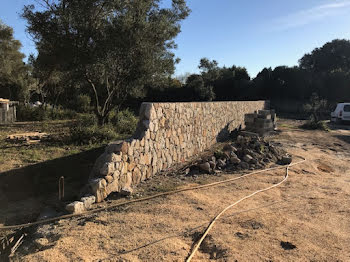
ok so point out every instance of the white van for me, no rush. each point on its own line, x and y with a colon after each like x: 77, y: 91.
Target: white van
x: 341, y: 113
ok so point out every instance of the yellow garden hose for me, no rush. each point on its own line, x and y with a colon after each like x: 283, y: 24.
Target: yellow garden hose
x: 211, y: 224
x: 138, y: 200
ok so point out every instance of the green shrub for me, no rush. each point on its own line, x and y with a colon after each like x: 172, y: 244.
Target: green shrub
x: 40, y: 113
x: 92, y: 134
x: 315, y: 108
x: 312, y: 125
x: 86, y: 131
x: 125, y: 122
x: 26, y: 113
x: 83, y: 103
x: 86, y: 119
x: 61, y: 114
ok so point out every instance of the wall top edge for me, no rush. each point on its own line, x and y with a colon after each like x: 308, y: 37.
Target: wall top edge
x: 206, y: 102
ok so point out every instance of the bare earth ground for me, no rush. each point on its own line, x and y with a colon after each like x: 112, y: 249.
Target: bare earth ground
x: 310, y: 212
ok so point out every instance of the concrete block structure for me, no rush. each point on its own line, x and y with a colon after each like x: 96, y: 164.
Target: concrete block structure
x: 261, y: 122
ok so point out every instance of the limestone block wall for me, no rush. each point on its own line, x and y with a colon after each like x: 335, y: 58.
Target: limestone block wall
x: 167, y: 133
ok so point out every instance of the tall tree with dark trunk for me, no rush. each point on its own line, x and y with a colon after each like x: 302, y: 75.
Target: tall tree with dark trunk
x: 115, y: 46
x: 14, y: 74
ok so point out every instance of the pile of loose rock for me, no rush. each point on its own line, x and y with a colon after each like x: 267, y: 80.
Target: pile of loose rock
x: 248, y: 151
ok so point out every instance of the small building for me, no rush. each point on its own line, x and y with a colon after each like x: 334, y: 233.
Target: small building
x: 7, y: 111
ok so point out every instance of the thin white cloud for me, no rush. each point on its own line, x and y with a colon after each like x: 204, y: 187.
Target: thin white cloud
x: 310, y: 15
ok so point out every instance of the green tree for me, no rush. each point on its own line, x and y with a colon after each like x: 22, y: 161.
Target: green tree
x: 202, y: 92
x: 316, y: 108
x: 50, y: 82
x: 202, y: 85
x: 232, y: 84
x: 114, y: 46
x: 333, y: 56
x: 210, y: 70
x: 15, y: 79
x: 329, y: 68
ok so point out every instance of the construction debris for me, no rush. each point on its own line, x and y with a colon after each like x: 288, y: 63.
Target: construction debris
x: 248, y: 151
x: 29, y: 138
x: 10, y: 244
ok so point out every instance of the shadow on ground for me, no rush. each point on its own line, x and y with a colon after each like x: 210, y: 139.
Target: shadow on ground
x: 40, y: 181
x: 345, y: 125
x: 344, y: 138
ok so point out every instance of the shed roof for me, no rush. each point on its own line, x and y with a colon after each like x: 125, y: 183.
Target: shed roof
x: 4, y: 101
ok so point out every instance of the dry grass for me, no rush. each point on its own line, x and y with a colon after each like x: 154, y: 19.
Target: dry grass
x: 17, y: 155
x: 306, y: 219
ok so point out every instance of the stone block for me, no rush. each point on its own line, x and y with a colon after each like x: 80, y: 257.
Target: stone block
x: 98, y: 187
x: 247, y: 158
x: 88, y: 201
x: 205, y: 167
x: 113, y: 187
x: 109, y: 178
x: 264, y: 112
x: 107, y: 169
x: 126, y: 191
x: 77, y: 207
x: 118, y: 146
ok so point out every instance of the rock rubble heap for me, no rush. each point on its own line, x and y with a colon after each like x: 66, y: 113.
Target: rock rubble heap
x: 168, y: 134
x: 248, y: 151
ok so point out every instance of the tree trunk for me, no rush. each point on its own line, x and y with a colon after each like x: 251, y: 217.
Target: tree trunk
x: 102, y: 119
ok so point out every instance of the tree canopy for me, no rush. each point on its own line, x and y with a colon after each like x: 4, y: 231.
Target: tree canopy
x: 116, y: 53
x: 14, y: 74
x: 116, y: 47
x: 333, y: 56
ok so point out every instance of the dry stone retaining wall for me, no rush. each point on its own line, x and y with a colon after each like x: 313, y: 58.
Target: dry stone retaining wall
x: 167, y: 133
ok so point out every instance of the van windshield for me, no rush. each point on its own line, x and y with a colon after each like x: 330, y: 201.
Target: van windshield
x: 347, y: 108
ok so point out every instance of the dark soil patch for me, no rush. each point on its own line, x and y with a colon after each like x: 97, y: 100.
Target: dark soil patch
x: 287, y: 245
x: 241, y: 235
x: 251, y: 224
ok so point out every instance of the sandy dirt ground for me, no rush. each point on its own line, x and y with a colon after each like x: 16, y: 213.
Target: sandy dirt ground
x: 305, y: 219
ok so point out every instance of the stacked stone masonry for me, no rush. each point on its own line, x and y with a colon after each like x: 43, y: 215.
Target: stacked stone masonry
x: 167, y: 133
x: 261, y: 122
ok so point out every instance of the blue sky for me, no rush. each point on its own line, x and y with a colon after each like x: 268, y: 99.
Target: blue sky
x: 250, y: 33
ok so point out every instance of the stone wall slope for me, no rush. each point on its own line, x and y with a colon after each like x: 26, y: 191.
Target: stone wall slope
x: 167, y: 133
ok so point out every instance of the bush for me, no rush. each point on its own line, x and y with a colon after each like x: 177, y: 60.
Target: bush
x: 315, y: 108
x: 86, y: 131
x: 86, y: 120
x: 61, y: 114
x: 27, y: 113
x: 92, y: 135
x: 83, y: 103
x: 125, y: 122
x: 312, y: 125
